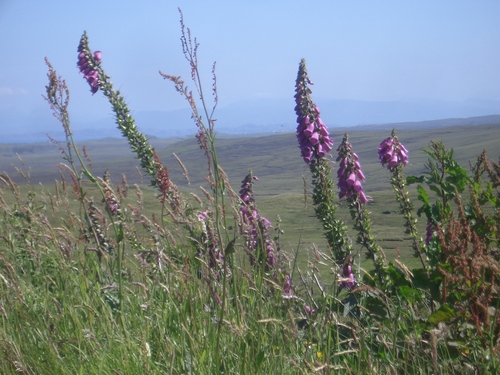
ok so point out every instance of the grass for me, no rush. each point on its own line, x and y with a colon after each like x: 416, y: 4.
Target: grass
x: 59, y: 310
x: 280, y: 190
x: 102, y: 274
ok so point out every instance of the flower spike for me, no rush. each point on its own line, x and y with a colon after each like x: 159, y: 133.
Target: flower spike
x: 312, y: 133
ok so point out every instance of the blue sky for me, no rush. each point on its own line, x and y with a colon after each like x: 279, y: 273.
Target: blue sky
x: 365, y: 50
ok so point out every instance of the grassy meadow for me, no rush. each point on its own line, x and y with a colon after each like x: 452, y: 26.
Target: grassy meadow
x: 282, y: 175
x: 169, y: 256
x: 67, y: 308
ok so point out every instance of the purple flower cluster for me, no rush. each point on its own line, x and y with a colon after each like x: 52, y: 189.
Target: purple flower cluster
x: 349, y: 173
x: 86, y: 66
x: 255, y: 226
x: 348, y: 278
x: 312, y: 133
x: 392, y: 153
x: 287, y: 286
x: 429, y: 232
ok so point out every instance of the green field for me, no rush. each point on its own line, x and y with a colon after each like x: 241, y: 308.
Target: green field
x: 276, y: 161
x: 150, y: 303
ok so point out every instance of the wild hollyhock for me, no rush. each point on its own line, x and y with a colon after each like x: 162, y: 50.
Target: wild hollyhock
x: 349, y: 173
x: 312, y: 133
x: 87, y: 63
x: 392, y: 153
x: 256, y: 227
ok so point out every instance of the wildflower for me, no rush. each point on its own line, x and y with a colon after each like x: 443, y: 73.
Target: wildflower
x: 349, y: 173
x: 348, y: 278
x: 162, y: 177
x: 392, y: 153
x: 111, y: 200
x: 202, y: 216
x: 87, y: 63
x: 211, y: 241
x: 309, y: 310
x: 256, y: 226
x: 312, y: 133
x: 429, y: 232
x: 287, y: 287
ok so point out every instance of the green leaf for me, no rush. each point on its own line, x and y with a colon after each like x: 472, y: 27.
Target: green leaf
x: 444, y: 314
x: 203, y: 357
x: 422, y: 195
x: 259, y: 359
x: 230, y: 248
x: 119, y: 234
x: 413, y: 179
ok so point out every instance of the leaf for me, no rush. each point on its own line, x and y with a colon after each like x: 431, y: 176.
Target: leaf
x: 413, y: 179
x: 350, y: 303
x: 259, y: 359
x: 230, y: 248
x: 444, y: 314
x: 119, y: 234
x: 422, y: 195
x: 203, y: 357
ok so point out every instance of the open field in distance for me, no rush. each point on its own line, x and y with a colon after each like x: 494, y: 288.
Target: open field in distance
x: 276, y: 161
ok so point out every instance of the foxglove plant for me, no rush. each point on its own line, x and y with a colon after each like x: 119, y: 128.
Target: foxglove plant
x: 348, y: 277
x: 312, y: 133
x: 394, y: 155
x: 211, y: 242
x: 256, y: 227
x: 315, y: 143
x: 87, y: 66
x: 349, y: 174
x: 350, y: 178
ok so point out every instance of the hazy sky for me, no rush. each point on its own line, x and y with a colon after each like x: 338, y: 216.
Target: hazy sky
x: 368, y: 50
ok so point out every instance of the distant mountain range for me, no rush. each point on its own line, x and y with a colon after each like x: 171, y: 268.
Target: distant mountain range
x: 258, y: 116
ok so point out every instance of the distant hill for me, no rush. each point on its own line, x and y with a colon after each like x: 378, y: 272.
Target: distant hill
x: 256, y: 116
x: 433, y: 124
x: 274, y: 158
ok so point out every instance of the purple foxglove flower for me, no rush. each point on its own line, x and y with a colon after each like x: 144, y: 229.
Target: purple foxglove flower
x: 327, y: 144
x: 312, y: 133
x: 357, y: 187
x: 255, y: 226
x: 202, y: 216
x: 321, y: 151
x: 309, y: 130
x: 351, y: 180
x: 314, y: 139
x: 87, y: 66
x: 287, y: 287
x: 392, y: 153
x: 363, y: 198
x: 359, y: 173
x: 309, y: 310
x: 349, y: 173
x: 394, y: 161
x: 348, y: 278
x: 429, y: 233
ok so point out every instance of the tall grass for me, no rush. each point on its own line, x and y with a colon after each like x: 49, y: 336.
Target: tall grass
x: 93, y: 282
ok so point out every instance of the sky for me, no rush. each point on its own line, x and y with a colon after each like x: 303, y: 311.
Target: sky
x: 364, y: 50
